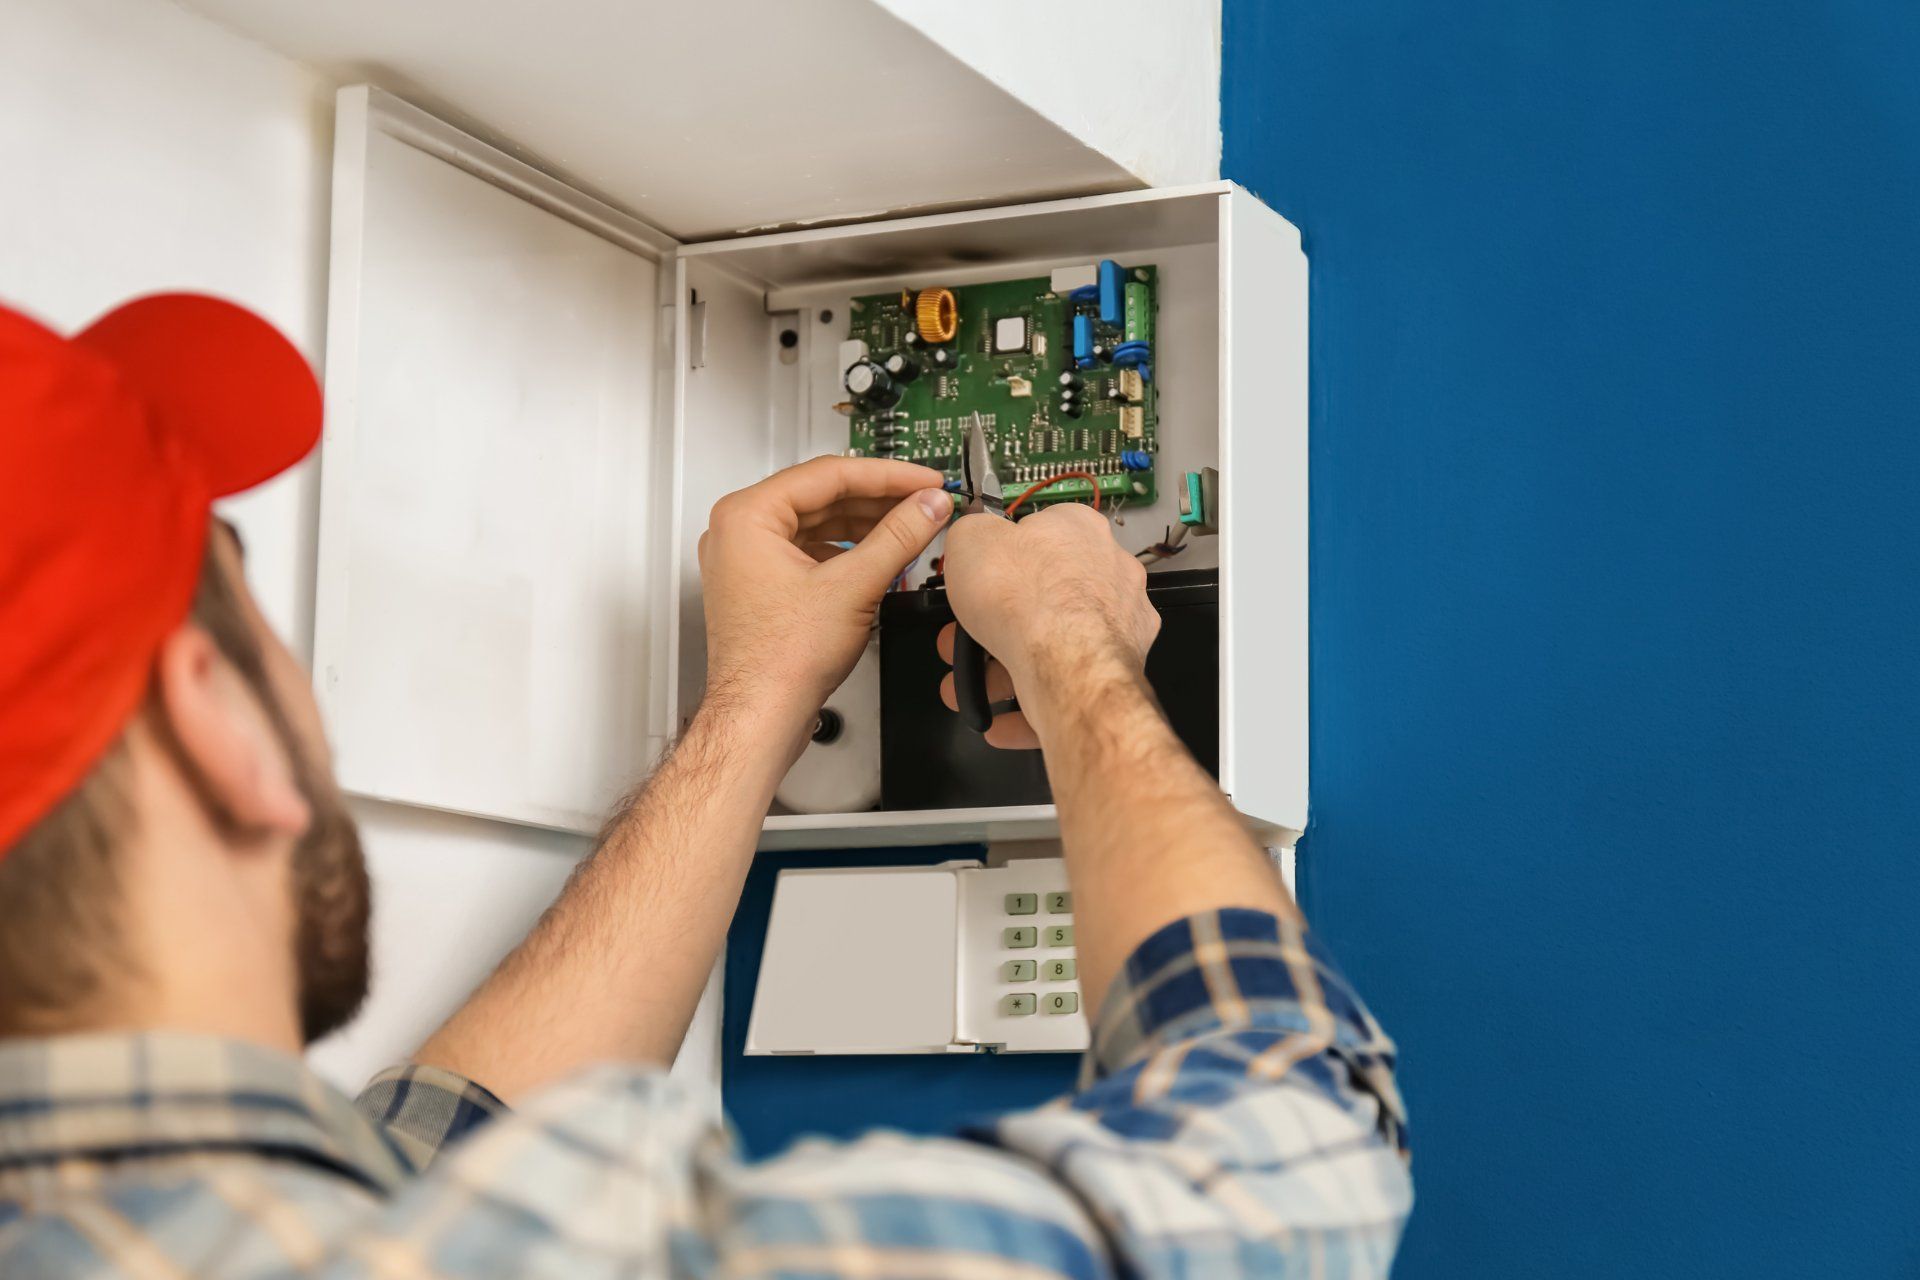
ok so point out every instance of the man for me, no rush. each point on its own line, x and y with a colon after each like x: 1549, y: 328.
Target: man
x: 183, y: 908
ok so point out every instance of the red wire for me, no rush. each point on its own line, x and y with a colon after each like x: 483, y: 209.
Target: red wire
x: 1032, y: 489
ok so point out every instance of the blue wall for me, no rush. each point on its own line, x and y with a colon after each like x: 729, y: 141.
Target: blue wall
x: 1616, y: 683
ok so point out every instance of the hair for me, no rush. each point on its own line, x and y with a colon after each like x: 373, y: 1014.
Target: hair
x: 62, y: 946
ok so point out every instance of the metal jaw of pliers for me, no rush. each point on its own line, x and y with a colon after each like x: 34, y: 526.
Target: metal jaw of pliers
x: 982, y: 490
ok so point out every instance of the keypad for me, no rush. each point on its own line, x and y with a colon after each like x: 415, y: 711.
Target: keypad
x: 1051, y: 934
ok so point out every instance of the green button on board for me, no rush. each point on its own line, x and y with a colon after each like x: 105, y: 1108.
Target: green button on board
x: 1018, y: 1004
x: 1059, y: 935
x: 1022, y: 904
x: 1059, y: 970
x: 1059, y: 1002
x: 1058, y: 904
x: 1017, y: 971
x: 1020, y: 936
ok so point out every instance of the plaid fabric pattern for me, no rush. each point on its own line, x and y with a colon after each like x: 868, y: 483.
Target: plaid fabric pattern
x: 1236, y: 1116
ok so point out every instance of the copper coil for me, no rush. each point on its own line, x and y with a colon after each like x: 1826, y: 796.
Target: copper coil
x: 936, y: 314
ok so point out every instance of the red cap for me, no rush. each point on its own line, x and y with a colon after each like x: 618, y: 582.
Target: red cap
x: 113, y: 446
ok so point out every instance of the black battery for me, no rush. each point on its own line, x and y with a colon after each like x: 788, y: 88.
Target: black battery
x: 929, y: 760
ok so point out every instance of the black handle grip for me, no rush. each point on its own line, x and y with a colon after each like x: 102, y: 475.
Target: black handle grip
x: 970, y: 681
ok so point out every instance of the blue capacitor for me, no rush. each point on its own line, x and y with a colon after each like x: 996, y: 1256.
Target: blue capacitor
x: 1136, y: 460
x: 1083, y: 341
x: 1111, y: 307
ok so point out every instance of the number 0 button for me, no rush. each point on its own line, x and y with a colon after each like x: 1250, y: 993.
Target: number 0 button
x: 1060, y: 1002
x: 1059, y: 935
x: 1020, y: 936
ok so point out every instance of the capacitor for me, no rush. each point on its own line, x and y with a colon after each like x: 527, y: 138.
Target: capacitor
x: 1109, y: 290
x: 942, y: 357
x: 902, y: 367
x: 1071, y: 380
x: 869, y: 383
x: 912, y: 340
x: 1102, y: 352
x: 1072, y: 408
x: 1083, y: 346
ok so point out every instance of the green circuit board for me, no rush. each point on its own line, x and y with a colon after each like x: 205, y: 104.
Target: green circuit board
x: 1016, y: 388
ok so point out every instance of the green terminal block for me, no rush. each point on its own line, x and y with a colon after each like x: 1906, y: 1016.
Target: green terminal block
x: 1132, y: 485
x: 1200, y: 500
x: 1138, y: 326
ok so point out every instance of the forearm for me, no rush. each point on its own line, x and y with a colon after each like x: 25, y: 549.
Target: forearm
x: 615, y: 968
x: 1148, y: 836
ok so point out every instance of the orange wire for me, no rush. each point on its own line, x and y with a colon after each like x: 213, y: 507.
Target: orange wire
x: 1032, y: 489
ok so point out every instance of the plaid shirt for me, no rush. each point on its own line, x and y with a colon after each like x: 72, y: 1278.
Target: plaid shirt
x: 1236, y: 1116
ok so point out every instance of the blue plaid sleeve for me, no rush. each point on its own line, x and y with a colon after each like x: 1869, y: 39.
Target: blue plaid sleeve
x: 424, y: 1110
x: 1237, y: 1117
x: 1237, y: 1113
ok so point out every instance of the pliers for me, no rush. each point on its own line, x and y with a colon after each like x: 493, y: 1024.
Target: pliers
x: 981, y: 486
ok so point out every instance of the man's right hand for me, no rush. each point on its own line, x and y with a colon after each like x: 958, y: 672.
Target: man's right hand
x: 1058, y: 603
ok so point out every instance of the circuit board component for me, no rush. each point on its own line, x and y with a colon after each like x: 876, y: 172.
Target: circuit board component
x: 1059, y: 369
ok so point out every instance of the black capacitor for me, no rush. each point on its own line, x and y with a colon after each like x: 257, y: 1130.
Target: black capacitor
x: 868, y: 383
x: 1102, y: 352
x: 902, y: 367
x: 913, y: 339
x: 1071, y: 380
x: 942, y: 358
x: 1072, y: 408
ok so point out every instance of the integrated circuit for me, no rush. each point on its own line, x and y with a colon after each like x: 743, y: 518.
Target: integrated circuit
x: 1060, y: 370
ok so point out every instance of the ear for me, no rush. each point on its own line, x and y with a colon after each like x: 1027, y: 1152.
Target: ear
x: 225, y: 735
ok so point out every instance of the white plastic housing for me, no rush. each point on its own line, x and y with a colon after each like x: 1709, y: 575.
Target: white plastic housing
x: 535, y: 399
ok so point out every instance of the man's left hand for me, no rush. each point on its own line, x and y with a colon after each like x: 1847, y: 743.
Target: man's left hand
x: 788, y: 611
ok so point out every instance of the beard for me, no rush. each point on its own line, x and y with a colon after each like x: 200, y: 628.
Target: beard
x: 332, y: 899
x: 332, y: 903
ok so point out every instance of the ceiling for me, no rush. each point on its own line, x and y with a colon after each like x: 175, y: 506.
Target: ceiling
x: 704, y: 119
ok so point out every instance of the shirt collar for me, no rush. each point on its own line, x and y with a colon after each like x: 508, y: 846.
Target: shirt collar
x: 120, y: 1095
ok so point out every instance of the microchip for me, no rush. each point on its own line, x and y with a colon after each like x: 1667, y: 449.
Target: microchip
x: 1009, y: 334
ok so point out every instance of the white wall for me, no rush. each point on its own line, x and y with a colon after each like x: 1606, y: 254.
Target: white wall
x: 144, y: 148
x: 1137, y: 80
